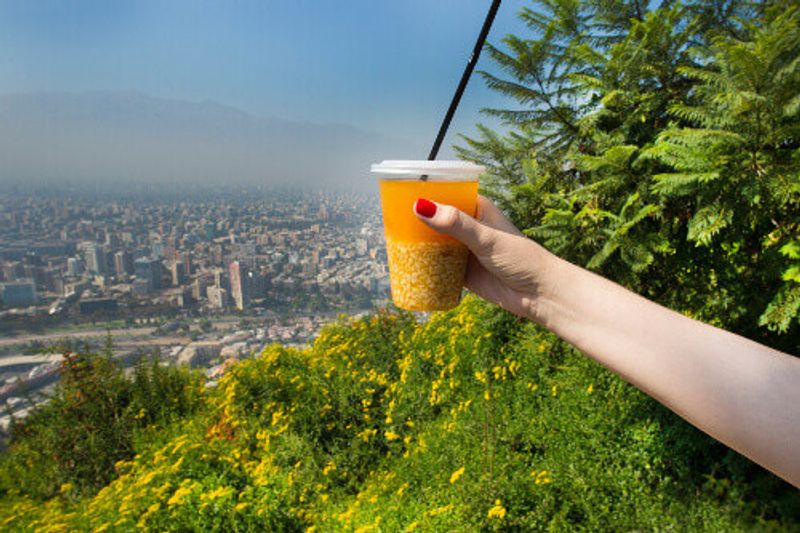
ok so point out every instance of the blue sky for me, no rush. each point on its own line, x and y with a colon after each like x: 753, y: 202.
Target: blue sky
x: 380, y: 65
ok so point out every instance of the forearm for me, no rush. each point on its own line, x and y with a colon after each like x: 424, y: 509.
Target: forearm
x: 742, y: 393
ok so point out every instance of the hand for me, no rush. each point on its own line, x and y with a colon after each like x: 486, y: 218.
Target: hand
x: 504, y: 266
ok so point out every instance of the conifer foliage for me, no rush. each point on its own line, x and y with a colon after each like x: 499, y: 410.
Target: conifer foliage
x: 659, y: 144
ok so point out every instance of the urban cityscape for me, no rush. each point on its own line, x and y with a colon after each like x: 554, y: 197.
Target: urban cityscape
x: 202, y: 278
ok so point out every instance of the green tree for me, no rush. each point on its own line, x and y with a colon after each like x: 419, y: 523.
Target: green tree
x: 737, y: 161
x: 659, y: 146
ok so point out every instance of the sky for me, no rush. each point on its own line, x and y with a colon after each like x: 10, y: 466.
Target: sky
x: 384, y: 67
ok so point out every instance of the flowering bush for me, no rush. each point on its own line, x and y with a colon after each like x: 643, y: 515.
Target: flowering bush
x: 471, y: 421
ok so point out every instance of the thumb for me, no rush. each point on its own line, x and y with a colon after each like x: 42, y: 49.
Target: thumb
x: 479, y: 238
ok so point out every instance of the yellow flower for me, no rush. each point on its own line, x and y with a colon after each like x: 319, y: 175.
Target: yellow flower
x: 554, y: 390
x: 369, y: 527
x: 455, y: 475
x: 66, y: 487
x: 366, y: 434
x: 498, y: 511
x: 147, y: 478
x: 178, y: 495
x: 241, y: 506
x: 330, y: 467
x: 542, y: 478
x: 391, y: 435
x: 486, y: 395
x: 590, y: 389
x: 499, y: 372
x: 177, y: 465
x: 180, y: 442
x: 439, y: 510
x: 480, y: 376
x: 345, y: 516
x: 220, y: 492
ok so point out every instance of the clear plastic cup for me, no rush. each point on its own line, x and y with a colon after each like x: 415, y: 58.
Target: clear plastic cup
x: 426, y: 268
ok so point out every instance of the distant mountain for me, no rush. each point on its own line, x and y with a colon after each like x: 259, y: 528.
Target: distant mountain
x: 132, y: 137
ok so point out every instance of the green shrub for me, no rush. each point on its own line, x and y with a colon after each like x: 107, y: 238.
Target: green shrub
x: 74, y: 439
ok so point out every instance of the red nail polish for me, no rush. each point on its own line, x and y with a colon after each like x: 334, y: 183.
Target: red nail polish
x: 425, y: 207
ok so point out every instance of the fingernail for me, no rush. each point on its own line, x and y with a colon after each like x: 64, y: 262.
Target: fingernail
x: 425, y: 207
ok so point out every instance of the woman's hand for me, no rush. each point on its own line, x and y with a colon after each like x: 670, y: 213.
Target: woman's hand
x: 504, y: 266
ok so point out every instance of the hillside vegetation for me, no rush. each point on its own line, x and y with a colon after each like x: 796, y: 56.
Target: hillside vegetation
x: 472, y: 421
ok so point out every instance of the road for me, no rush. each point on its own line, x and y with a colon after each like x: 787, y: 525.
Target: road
x: 119, y: 346
x: 89, y: 333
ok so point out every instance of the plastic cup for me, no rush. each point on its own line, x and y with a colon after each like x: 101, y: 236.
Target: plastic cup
x: 426, y: 268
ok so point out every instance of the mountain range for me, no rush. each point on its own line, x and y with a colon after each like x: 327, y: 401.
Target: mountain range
x: 130, y: 137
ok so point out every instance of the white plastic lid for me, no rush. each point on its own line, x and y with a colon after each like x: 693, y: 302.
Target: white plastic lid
x: 443, y: 170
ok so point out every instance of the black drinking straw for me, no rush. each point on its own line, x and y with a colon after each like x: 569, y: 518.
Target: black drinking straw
x: 473, y: 60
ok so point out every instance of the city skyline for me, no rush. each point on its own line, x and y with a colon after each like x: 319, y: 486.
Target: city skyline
x: 246, y: 253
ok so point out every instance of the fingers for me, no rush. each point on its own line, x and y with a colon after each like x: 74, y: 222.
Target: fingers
x: 489, y: 214
x: 478, y: 237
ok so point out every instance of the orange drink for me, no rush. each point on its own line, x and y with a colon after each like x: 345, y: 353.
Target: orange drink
x: 426, y: 268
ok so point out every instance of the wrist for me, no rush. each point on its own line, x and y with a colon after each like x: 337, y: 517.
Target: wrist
x: 551, y: 279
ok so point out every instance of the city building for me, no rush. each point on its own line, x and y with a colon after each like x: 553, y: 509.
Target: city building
x: 240, y: 284
x: 74, y: 267
x: 97, y: 305
x: 18, y: 293
x: 220, y: 279
x: 123, y: 263
x: 198, y: 353
x: 148, y: 275
x: 188, y: 267
x: 217, y: 297
x: 178, y: 273
x: 95, y: 259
